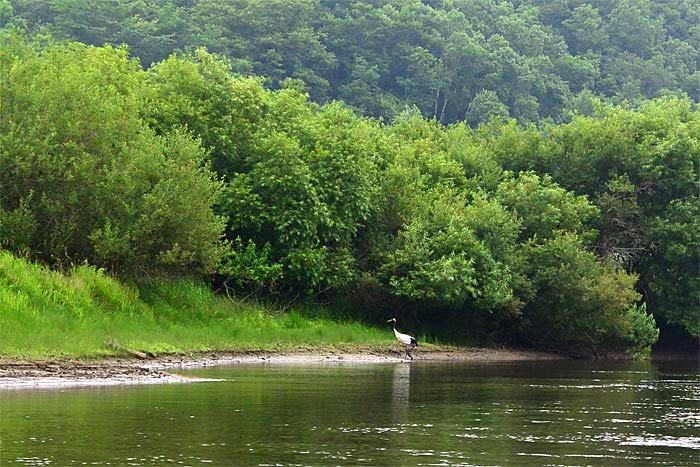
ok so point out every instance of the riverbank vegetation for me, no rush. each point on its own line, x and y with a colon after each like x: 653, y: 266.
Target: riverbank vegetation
x: 575, y: 236
x: 86, y: 313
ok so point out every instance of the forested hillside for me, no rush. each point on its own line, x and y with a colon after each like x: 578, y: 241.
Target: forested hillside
x: 580, y: 233
x: 455, y: 59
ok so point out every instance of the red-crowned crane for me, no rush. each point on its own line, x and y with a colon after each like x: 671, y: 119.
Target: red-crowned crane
x: 409, y: 341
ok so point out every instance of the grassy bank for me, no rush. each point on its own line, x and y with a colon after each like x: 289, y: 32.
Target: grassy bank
x: 45, y: 313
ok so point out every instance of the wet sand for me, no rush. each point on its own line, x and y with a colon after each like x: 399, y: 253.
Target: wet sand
x: 66, y: 373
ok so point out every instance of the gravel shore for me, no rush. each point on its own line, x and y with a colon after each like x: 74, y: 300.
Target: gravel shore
x: 66, y: 372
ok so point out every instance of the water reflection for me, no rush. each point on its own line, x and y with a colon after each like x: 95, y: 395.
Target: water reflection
x: 400, y: 414
x: 401, y: 387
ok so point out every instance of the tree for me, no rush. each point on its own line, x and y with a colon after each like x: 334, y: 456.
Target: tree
x: 631, y: 28
x: 597, y: 312
x: 379, y: 56
x: 84, y: 179
x: 633, y: 165
x: 442, y: 254
x: 584, y: 28
x: 300, y: 180
x: 484, y: 107
x: 546, y: 208
x: 672, y: 277
x: 276, y: 37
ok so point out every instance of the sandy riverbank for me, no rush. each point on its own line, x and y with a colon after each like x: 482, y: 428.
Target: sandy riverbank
x: 65, y: 373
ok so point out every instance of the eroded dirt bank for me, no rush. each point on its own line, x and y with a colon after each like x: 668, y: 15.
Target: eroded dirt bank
x: 63, y: 373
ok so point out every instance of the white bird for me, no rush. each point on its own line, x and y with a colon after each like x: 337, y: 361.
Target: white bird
x: 405, y: 339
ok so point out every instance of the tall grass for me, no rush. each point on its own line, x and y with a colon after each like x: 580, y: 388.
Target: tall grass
x: 46, y: 313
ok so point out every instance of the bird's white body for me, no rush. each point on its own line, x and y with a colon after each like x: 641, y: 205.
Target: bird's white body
x: 403, y: 338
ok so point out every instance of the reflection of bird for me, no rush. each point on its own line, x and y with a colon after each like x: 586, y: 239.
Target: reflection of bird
x: 401, y: 390
x: 405, y: 339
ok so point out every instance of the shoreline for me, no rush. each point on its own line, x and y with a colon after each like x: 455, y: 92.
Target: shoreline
x: 62, y: 373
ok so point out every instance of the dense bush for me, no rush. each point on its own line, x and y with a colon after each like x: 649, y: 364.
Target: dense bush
x: 82, y: 176
x: 642, y: 171
x: 299, y: 180
x: 551, y: 236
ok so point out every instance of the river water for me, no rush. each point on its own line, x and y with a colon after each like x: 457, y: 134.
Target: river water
x: 421, y: 413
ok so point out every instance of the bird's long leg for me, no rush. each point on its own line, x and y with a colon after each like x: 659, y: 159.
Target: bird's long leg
x: 413, y: 346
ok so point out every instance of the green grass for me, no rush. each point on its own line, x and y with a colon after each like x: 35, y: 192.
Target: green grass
x: 45, y: 313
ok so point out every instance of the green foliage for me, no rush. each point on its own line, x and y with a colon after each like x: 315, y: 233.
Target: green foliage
x: 249, y: 265
x: 30, y: 290
x: 82, y: 176
x: 198, y: 93
x: 484, y: 107
x: 544, y: 207
x: 309, y: 188
x: 642, y: 171
x: 151, y: 29
x: 673, y: 273
x: 581, y: 304
x: 530, y: 56
x: 46, y: 314
x: 299, y: 179
x: 439, y: 257
x: 642, y: 332
x: 531, y: 234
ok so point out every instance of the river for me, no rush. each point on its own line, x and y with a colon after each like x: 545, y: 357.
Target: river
x: 545, y: 413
